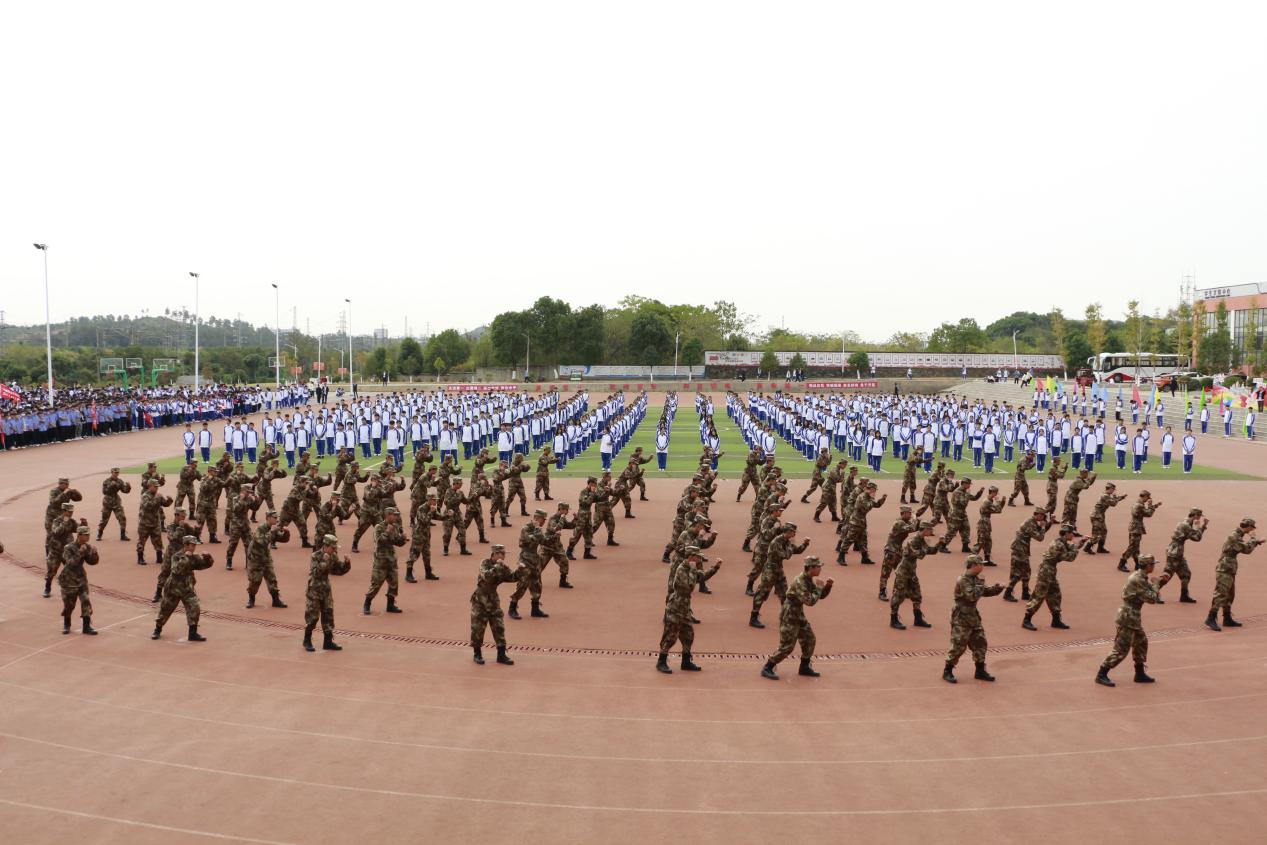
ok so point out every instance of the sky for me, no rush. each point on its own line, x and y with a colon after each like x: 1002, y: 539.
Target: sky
x: 870, y: 167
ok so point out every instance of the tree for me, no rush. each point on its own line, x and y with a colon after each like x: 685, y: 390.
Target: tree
x: 769, y: 362
x: 449, y: 346
x: 650, y: 339
x: 1251, y: 342
x: 964, y: 336
x: 692, y: 352
x: 1199, y: 326
x: 737, y: 343
x: 860, y: 361
x: 1077, y: 350
x: 1058, y: 332
x: 1183, y: 334
x: 586, y: 336
x: 551, y: 320
x: 508, y: 334
x: 1216, y: 351
x: 1133, y: 331
x: 906, y: 342
x: 409, y: 357
x: 797, y: 362
x: 378, y: 361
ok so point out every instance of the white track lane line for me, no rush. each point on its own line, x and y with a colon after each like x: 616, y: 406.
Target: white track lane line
x: 134, y: 823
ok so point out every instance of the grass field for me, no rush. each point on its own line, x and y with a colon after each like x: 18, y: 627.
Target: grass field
x: 684, y: 452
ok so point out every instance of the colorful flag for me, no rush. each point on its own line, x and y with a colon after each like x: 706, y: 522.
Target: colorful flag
x: 9, y: 393
x: 1135, y: 394
x: 94, y: 415
x: 1201, y: 407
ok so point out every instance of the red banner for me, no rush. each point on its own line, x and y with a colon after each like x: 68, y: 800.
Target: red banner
x: 318, y: 366
x: 840, y: 385
x: 9, y: 393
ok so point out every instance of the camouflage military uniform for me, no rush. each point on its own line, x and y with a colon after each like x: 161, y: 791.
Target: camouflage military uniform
x: 584, y: 521
x: 1046, y: 585
x: 822, y: 462
x: 1135, y: 533
x: 941, y: 500
x: 542, y: 486
x: 179, y: 588
x: 749, y: 473
x: 957, y: 517
x: 552, y: 548
x: 1070, y: 514
x: 189, y: 475
x: 110, y: 504
x: 855, y: 534
x: 259, y: 561
x: 73, y: 580
x: 343, y: 464
x: 621, y: 489
x: 1099, y: 522
x: 1020, y: 569
x: 330, y: 510
x: 176, y: 531
x: 420, y: 543
x: 1020, y: 487
x: 906, y: 577
x: 827, y: 499
x: 794, y: 628
x: 773, y: 578
x: 148, y: 521
x: 497, y: 501
x: 387, y: 536
x: 208, y: 498
x: 1225, y: 571
x: 902, y: 528
x: 603, y: 511
x: 985, y: 528
x: 636, y: 462
x: 264, y: 478
x: 677, y: 609
x: 771, y: 527
x: 515, y: 486
x: 531, y: 537
x: 56, y: 498
x: 908, y: 477
x: 930, y: 490
x: 1054, y: 475
x: 453, y: 520
x: 486, y: 608
x: 1176, y: 563
x: 238, y: 524
x: 319, y: 598
x: 60, y: 536
x: 480, y: 489
x: 290, y: 511
x: 371, y: 512
x: 966, y: 630
x: 1130, y: 637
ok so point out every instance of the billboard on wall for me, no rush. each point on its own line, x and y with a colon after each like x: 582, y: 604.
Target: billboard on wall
x: 915, y: 360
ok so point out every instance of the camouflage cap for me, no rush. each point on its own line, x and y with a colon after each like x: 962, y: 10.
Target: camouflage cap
x: 190, y: 540
x: 1144, y: 494
x: 83, y: 529
x: 564, y: 506
x: 700, y: 519
x: 993, y: 489
x: 789, y: 526
x: 539, y: 512
x: 1110, y: 486
x: 180, y: 512
x: 905, y: 509
x: 391, y: 511
x: 63, y: 481
x: 272, y: 513
x: 692, y: 551
x: 114, y: 469
x: 1068, y: 528
x: 1195, y: 512
x: 965, y: 480
x: 498, y: 547
x: 153, y: 482
x: 1040, y: 511
x: 432, y: 495
x: 1145, y: 561
x: 68, y: 506
x: 591, y: 480
x: 330, y: 540
x: 972, y: 561
x: 1247, y: 522
x: 812, y: 561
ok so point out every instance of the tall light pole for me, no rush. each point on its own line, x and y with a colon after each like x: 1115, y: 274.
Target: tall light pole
x: 1016, y: 359
x: 842, y: 355
x: 48, y: 323
x: 349, y: 302
x: 196, y: 280
x: 527, y: 355
x: 277, y: 341
x: 676, y: 338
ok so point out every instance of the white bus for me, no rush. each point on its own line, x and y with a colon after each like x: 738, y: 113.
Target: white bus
x: 1119, y: 367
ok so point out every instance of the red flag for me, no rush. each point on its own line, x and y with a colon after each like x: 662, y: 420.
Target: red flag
x: 1135, y: 395
x: 9, y: 393
x: 94, y: 415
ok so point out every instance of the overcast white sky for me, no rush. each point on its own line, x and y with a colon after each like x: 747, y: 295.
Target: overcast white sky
x: 862, y: 166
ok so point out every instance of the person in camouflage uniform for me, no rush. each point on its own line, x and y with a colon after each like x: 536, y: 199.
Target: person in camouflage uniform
x: 453, y: 501
x: 849, y: 489
x: 552, y: 549
x: 259, y: 559
x: 60, y: 535
x: 319, y: 598
x: 238, y: 523
x: 480, y: 489
x: 760, y: 505
x: 603, y: 508
x: 1020, y: 487
x: 754, y: 460
x: 265, y: 474
x: 111, y: 505
x: 930, y: 489
x: 957, y: 517
x: 903, y: 527
x: 1083, y: 481
x: 906, y: 578
x: 179, y: 588
x: 992, y: 505
x: 822, y: 462
x: 624, y: 481
x: 827, y: 499
x: 1130, y: 638
x: 855, y: 533
x: 966, y: 630
x: 584, y: 520
x: 371, y: 511
x: 636, y: 462
x: 805, y: 591
x: 343, y: 464
x: 515, y: 485
x: 481, y: 460
x: 1034, y: 528
x: 1192, y: 528
x: 1140, y: 511
x: 771, y: 527
x: 531, y: 538
x: 347, y: 491
x: 418, y: 492
x: 1046, y: 587
x: 543, y: 475
x: 387, y: 536
x: 73, y: 580
x: 177, y: 530
x: 677, y: 610
x: 420, y: 544
x: 497, y: 504
x: 331, y: 509
x: 773, y: 578
x: 1099, y: 520
x: 1239, y: 542
x: 237, y: 478
x: 941, y: 500
x: 189, y: 476
x: 62, y: 494
x: 486, y: 608
x: 290, y: 511
x: 908, y: 475
x: 1054, y: 475
x: 149, y: 521
x: 208, y: 499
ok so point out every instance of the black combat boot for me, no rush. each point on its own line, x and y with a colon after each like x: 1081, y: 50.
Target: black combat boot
x: 754, y: 620
x: 502, y: 658
x: 464, y: 551
x: 767, y: 671
x: 537, y: 611
x: 1008, y: 595
x: 612, y: 542
x: 194, y: 636
x: 1025, y: 592
x: 88, y: 629
x: 214, y: 539
x: 391, y: 606
x: 894, y: 622
x: 807, y: 670
x: 1102, y: 677
x: 277, y: 600
x: 409, y: 574
x: 158, y: 631
x: 747, y: 591
x: 664, y: 558
x: 304, y: 544
x: 662, y: 664
x: 1121, y: 566
x: 66, y: 623
x: 1058, y: 623
x: 308, y: 638
x: 920, y: 621
x: 158, y: 595
x: 688, y: 665
x: 1228, y: 621
x: 366, y: 608
x: 705, y: 589
x: 1100, y: 550
x: 250, y: 600
x: 1212, y: 621
x: 123, y: 537
x: 1028, y: 622
x: 513, y: 612
x: 747, y: 545
x: 140, y: 558
x: 1184, y: 596
x: 884, y: 594
x: 589, y: 553
x: 571, y: 556
x: 982, y: 674
x: 428, y: 575
x: 563, y: 582
x: 48, y: 588
x: 1142, y: 677
x: 328, y: 643
x: 479, y: 655
x: 948, y: 674
x: 866, y: 558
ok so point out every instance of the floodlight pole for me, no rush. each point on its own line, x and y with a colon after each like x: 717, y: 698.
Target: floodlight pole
x: 349, y: 302
x: 527, y: 355
x: 1016, y: 359
x: 676, y: 338
x: 48, y: 323
x: 196, y: 281
x: 277, y: 341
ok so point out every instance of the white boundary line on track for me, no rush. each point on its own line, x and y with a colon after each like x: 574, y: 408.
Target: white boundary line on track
x: 135, y: 823
x: 51, y: 646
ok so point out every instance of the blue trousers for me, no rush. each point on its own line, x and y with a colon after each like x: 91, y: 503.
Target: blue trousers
x: 378, y: 445
x: 206, y: 454
x: 290, y: 459
x: 989, y: 462
x: 1165, y: 459
x: 1121, y: 459
x: 1187, y: 463
x: 662, y: 460
x: 250, y: 454
x: 365, y: 450
x: 1042, y: 462
x: 189, y: 456
x: 1077, y: 459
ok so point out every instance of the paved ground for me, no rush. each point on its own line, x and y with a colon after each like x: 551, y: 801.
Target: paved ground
x: 247, y: 738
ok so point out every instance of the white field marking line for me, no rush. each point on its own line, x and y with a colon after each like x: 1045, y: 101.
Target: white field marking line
x: 36, y: 651
x: 395, y: 793
x: 456, y: 749
x: 658, y: 720
x: 133, y: 823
